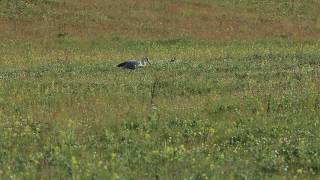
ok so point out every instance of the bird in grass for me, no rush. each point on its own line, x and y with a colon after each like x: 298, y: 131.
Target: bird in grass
x: 133, y: 64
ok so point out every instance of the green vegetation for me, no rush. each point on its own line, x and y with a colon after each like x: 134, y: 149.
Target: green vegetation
x: 221, y: 110
x: 232, y: 106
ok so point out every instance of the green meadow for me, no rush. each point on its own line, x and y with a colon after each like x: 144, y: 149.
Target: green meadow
x: 240, y: 101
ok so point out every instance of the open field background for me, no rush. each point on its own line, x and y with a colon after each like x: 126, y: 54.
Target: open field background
x: 136, y: 19
x: 242, y: 100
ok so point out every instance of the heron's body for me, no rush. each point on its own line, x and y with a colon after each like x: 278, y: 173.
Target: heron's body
x: 133, y: 64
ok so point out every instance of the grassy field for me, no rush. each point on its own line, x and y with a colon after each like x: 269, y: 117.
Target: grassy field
x: 242, y: 100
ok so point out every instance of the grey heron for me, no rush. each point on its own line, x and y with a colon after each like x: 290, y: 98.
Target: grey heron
x: 133, y: 64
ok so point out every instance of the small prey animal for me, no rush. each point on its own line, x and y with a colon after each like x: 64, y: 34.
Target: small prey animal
x: 133, y: 64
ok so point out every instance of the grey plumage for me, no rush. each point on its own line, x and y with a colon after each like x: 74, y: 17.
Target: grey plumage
x: 133, y: 64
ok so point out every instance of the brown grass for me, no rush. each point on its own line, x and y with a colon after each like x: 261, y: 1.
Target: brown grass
x: 159, y: 19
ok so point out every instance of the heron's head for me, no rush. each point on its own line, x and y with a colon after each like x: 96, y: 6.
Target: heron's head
x: 146, y: 60
x: 173, y: 59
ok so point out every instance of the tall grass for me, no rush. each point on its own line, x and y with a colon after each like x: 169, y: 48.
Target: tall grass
x: 221, y: 110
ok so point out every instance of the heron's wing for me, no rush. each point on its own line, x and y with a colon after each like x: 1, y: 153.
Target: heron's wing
x: 122, y: 64
x: 131, y: 64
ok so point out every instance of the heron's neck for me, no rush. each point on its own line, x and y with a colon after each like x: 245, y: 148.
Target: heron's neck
x: 142, y: 63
